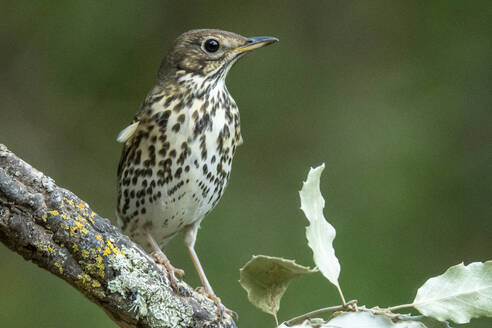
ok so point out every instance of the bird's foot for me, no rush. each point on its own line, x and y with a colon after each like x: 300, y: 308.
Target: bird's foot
x: 161, y: 258
x: 221, y: 309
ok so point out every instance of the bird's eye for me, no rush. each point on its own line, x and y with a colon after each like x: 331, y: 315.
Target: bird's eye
x: 211, y: 45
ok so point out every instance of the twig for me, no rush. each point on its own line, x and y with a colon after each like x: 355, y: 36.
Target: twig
x: 349, y: 306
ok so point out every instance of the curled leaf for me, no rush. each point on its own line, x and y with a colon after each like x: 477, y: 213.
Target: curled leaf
x: 266, y: 278
x: 320, y: 234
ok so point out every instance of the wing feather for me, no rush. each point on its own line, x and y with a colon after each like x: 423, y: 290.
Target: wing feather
x: 127, y: 132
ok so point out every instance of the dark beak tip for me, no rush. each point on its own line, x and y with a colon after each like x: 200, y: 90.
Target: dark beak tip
x: 266, y: 39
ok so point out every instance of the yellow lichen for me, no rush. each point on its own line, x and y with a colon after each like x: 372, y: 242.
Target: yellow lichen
x: 68, y: 201
x: 75, y: 248
x: 99, y: 269
x: 100, y: 266
x: 45, y: 247
x: 81, y: 206
x: 83, y: 278
x: 94, y: 268
x: 81, y: 219
x: 99, y: 237
x: 85, y: 254
x: 107, y: 251
x: 81, y: 227
x: 54, y: 212
x: 59, y: 266
x: 44, y: 217
x: 114, y: 248
x: 85, y: 282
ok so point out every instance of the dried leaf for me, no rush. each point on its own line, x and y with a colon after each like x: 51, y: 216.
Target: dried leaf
x: 266, y: 278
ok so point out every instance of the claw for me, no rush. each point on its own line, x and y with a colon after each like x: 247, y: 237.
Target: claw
x: 161, y: 259
x: 221, y: 309
x: 207, y: 289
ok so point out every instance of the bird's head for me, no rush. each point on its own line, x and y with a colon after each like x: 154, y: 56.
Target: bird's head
x: 208, y: 53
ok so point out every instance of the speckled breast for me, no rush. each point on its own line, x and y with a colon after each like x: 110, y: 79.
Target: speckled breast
x: 177, y: 164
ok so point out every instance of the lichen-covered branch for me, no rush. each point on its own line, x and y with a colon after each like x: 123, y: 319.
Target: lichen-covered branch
x: 53, y: 228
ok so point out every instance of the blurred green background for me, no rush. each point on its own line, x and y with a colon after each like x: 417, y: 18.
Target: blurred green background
x: 395, y: 97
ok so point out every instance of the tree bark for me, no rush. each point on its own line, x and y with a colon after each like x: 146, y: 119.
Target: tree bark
x: 53, y: 228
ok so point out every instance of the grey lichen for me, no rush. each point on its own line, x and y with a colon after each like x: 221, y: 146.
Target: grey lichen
x: 154, y: 302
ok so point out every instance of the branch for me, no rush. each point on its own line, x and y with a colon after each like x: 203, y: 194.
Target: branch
x: 53, y: 228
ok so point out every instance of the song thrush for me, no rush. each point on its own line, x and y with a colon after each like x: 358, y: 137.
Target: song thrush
x: 178, y: 151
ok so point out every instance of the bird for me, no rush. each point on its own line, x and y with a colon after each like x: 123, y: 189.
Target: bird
x: 178, y: 150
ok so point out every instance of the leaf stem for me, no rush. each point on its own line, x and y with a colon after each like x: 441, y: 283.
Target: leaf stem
x: 341, y: 295
x: 314, y: 313
x: 402, y: 306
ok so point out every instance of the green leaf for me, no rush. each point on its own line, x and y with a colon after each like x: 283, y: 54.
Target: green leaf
x: 459, y: 294
x: 320, y: 234
x: 266, y: 278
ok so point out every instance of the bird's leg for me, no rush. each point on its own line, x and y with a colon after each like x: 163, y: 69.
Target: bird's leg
x: 190, y: 233
x: 162, y: 259
x: 208, y: 289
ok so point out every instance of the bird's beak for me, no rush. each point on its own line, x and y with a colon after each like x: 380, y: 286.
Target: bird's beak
x: 255, y: 43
